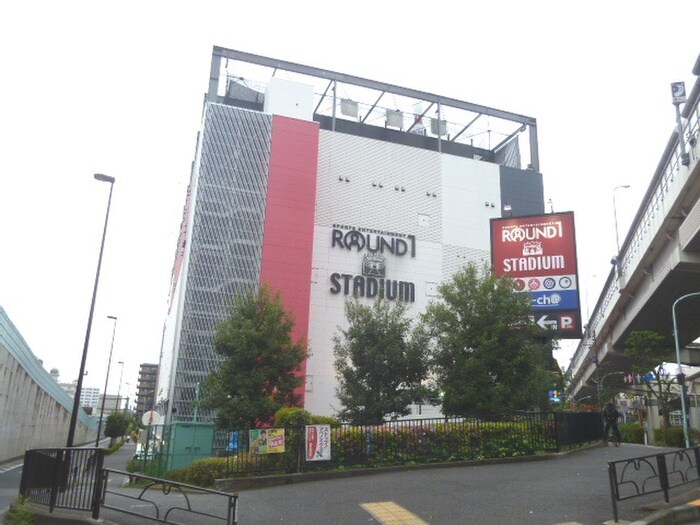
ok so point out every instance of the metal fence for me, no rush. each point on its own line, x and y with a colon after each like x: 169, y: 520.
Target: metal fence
x: 644, y: 475
x: 73, y: 478
x: 416, y: 441
x: 66, y: 478
x: 169, y: 502
x: 574, y: 428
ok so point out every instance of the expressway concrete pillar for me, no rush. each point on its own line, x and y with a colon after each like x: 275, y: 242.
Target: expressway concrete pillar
x: 653, y: 420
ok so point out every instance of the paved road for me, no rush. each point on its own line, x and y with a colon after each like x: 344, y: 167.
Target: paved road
x: 570, y: 489
x: 574, y: 488
x: 10, y: 476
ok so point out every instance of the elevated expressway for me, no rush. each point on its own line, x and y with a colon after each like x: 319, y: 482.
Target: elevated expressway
x: 658, y: 263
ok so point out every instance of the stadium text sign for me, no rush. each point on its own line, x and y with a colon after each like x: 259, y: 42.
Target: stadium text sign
x: 539, y: 253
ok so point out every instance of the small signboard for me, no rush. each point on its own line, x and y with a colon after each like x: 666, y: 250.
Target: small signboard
x: 678, y: 92
x: 318, y: 443
x: 267, y: 441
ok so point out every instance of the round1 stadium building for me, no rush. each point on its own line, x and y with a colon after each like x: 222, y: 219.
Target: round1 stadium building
x: 326, y: 186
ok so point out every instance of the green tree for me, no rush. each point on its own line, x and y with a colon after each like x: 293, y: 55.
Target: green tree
x: 647, y: 351
x: 489, y: 356
x: 116, y: 425
x: 380, y: 362
x: 259, y: 372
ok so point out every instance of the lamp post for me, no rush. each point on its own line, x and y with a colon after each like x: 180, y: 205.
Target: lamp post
x: 681, y: 376
x: 119, y: 391
x: 617, y: 235
x: 128, y: 396
x: 600, y: 385
x: 79, y: 386
x: 104, y: 394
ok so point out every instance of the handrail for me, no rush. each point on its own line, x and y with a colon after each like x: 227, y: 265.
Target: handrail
x: 154, y: 492
x: 644, y: 475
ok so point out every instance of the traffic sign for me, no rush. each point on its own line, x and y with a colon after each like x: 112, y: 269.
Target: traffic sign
x: 150, y: 418
x: 630, y: 378
x: 563, y: 322
x: 547, y: 322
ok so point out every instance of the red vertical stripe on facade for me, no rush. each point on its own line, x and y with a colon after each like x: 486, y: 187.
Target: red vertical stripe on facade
x: 289, y: 218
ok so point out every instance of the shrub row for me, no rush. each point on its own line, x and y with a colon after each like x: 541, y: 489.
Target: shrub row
x: 378, y: 446
x: 674, y: 437
x: 382, y: 446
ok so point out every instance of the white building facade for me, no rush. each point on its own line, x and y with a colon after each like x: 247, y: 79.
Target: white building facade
x: 324, y: 198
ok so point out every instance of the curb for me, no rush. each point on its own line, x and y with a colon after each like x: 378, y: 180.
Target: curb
x: 42, y: 516
x: 684, y: 513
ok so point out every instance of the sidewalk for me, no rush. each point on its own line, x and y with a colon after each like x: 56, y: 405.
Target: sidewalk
x: 117, y: 460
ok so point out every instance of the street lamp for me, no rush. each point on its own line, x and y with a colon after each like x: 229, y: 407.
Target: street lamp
x: 104, y: 394
x: 79, y: 386
x: 119, y: 391
x: 617, y: 235
x: 600, y: 384
x: 681, y: 376
x: 128, y: 396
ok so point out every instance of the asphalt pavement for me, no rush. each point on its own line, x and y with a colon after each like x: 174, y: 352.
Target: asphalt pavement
x: 559, y: 489
x: 571, y: 488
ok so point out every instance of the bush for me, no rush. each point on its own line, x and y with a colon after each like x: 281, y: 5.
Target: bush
x: 201, y: 473
x: 116, y: 425
x: 674, y: 437
x: 324, y: 420
x: 393, y: 444
x: 292, y: 417
x: 113, y: 448
x: 632, y: 432
x: 378, y: 446
x: 298, y: 417
x: 19, y: 514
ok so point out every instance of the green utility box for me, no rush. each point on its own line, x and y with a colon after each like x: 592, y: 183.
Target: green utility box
x: 189, y: 442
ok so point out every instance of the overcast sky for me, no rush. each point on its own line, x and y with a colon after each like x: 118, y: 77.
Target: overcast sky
x: 117, y: 88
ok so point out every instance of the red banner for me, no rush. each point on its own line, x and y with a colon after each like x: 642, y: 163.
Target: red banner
x: 534, y: 246
x: 539, y: 253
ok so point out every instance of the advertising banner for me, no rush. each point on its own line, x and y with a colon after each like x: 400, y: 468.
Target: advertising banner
x: 539, y: 253
x: 318, y: 443
x: 267, y: 441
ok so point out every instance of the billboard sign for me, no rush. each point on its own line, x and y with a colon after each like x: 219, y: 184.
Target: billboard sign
x: 539, y: 254
x: 266, y: 441
x: 318, y: 443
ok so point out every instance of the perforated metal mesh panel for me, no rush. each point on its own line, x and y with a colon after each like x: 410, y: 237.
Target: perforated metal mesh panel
x: 226, y: 242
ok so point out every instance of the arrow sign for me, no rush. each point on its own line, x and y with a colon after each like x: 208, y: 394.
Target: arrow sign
x: 547, y: 324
